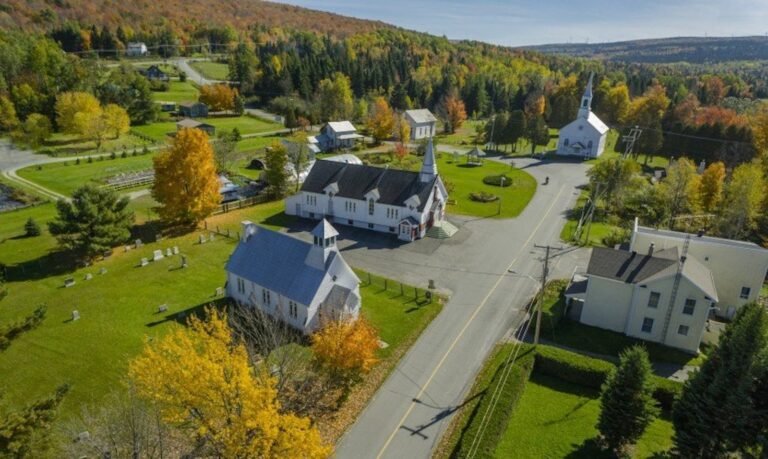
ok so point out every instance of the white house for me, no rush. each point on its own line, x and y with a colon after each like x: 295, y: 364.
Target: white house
x: 298, y: 282
x: 586, y: 136
x: 655, y: 295
x: 422, y: 123
x: 135, y: 49
x: 393, y: 201
x: 739, y: 268
x: 334, y: 135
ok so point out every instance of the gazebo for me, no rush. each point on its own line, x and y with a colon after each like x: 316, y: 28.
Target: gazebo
x: 475, y: 156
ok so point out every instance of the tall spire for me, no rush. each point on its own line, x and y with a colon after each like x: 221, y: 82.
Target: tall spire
x: 429, y: 168
x: 586, y: 99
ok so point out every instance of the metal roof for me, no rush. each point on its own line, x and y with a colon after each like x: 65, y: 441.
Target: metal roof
x: 597, y: 123
x: 341, y: 126
x: 421, y: 115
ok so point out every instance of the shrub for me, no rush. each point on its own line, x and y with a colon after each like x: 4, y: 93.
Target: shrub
x: 482, y: 196
x: 77, y: 161
x: 90, y: 160
x: 112, y: 155
x: 616, y: 237
x: 31, y: 228
x: 495, y: 180
x: 182, y: 76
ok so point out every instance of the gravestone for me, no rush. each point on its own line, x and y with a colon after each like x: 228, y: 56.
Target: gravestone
x: 219, y: 291
x: 175, y: 250
x: 75, y: 315
x: 162, y: 308
x: 157, y: 255
x: 212, y: 237
x: 88, y: 276
x: 168, y: 252
x: 83, y: 436
x: 201, y: 239
x: 144, y: 262
x: 139, y: 243
x: 69, y: 282
x: 183, y: 261
x: 128, y: 248
x: 103, y: 271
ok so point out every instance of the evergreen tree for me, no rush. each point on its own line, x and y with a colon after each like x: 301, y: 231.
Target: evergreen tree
x: 31, y: 228
x: 18, y: 430
x: 627, y: 406
x: 719, y: 409
x: 537, y: 133
x: 276, y: 161
x: 516, y: 127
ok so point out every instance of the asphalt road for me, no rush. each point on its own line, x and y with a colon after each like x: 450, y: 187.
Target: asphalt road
x: 410, y: 411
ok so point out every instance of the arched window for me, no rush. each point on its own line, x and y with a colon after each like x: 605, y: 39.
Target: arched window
x: 370, y: 206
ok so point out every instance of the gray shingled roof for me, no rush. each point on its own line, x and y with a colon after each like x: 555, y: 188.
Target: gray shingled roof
x: 421, y: 115
x: 355, y: 180
x: 338, y: 295
x: 277, y: 261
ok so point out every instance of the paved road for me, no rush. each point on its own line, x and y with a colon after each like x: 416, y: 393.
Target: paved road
x: 408, y: 414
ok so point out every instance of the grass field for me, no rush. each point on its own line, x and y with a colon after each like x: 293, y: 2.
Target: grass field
x: 211, y: 70
x: 65, y: 144
x: 119, y: 309
x: 65, y: 177
x: 246, y: 125
x: 177, y: 92
x: 557, y: 419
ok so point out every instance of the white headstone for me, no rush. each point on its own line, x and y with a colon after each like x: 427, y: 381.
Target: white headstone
x: 162, y: 308
x: 69, y: 282
x: 168, y: 252
x: 75, y: 315
x: 103, y: 271
x: 144, y: 262
x: 201, y: 239
x: 157, y: 255
x: 175, y: 250
x: 139, y: 243
x: 88, y: 276
x: 128, y: 248
x: 212, y: 237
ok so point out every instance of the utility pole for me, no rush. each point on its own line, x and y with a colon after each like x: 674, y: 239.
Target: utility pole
x: 544, y: 274
x: 630, y: 140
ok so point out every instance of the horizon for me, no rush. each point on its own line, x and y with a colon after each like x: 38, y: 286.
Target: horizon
x: 651, y: 20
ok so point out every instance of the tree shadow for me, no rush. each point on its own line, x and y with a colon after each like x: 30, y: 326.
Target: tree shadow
x: 198, y: 311
x: 51, y: 264
x: 587, y: 450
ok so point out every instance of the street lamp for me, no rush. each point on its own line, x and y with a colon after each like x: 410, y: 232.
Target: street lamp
x: 502, y: 187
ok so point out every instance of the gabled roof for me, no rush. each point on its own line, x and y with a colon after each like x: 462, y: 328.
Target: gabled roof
x: 629, y: 267
x: 355, y: 181
x: 341, y: 126
x: 337, y: 296
x: 190, y: 103
x: 421, y: 115
x: 597, y: 123
x: 324, y: 230
x: 190, y: 123
x: 277, y: 261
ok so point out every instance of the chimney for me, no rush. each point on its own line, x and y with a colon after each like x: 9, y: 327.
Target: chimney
x: 650, y: 249
x: 249, y: 229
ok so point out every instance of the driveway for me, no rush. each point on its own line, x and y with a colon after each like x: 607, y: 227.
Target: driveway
x: 410, y: 411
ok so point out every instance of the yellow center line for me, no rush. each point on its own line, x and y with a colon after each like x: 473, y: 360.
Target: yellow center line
x: 464, y: 329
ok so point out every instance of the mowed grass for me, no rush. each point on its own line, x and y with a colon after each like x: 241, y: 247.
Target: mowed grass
x: 246, y: 125
x: 14, y: 246
x: 555, y: 418
x: 66, y: 177
x: 468, y: 179
x: 67, y: 144
x: 211, y: 70
x: 178, y: 91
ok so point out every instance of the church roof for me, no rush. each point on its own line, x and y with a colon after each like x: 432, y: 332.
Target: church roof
x: 597, y: 123
x: 354, y: 181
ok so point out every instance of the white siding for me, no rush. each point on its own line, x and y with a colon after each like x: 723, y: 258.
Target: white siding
x: 606, y: 304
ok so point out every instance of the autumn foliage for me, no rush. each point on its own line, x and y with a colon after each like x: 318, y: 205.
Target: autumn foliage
x: 201, y: 379
x: 453, y: 113
x: 346, y: 348
x: 186, y: 184
x: 219, y: 97
x: 381, y: 121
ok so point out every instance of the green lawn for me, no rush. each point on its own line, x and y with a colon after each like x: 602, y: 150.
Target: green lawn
x: 464, y: 136
x: 557, y: 419
x: 246, y: 125
x: 65, y: 144
x: 119, y: 309
x: 211, y: 70
x: 178, y: 91
x: 65, y: 177
x: 467, y: 179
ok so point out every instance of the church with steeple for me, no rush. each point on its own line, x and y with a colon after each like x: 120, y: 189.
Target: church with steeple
x: 399, y: 202
x: 584, y: 137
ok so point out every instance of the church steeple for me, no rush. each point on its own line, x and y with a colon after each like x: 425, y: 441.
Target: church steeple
x: 586, y: 100
x: 429, y: 168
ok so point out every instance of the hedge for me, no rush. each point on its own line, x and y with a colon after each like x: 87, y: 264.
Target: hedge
x: 591, y: 372
x: 507, y: 401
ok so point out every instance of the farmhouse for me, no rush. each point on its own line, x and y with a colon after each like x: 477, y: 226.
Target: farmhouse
x: 738, y: 267
x: 422, y: 123
x: 191, y: 109
x: 333, y: 136
x: 585, y: 137
x: 135, y: 49
x: 298, y: 282
x: 657, y: 295
x: 393, y: 201
x: 188, y: 123
x: 154, y: 73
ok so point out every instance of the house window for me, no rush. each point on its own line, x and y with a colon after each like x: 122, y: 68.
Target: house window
x: 653, y: 300
x: 370, y: 225
x: 589, y: 145
x: 240, y: 285
x: 293, y: 310
x: 265, y: 296
x: 745, y: 291
x: 690, y: 305
x: 370, y: 206
x: 682, y: 330
x: 566, y: 142
x: 647, y: 325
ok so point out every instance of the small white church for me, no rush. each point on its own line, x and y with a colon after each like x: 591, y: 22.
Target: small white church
x: 584, y: 137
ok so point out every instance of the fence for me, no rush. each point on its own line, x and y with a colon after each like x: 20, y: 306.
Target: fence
x: 131, y: 180
x: 420, y: 295
x: 240, y: 204
x: 143, y: 137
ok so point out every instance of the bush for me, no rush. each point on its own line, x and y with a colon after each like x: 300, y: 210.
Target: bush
x: 77, y: 161
x: 482, y: 196
x: 182, y: 76
x: 124, y: 154
x: 616, y: 237
x: 31, y: 228
x: 495, y: 180
x: 90, y: 160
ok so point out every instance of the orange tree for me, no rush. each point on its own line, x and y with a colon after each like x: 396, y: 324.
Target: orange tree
x: 346, y: 348
x: 201, y: 380
x: 219, y: 97
x: 186, y: 184
x: 381, y: 121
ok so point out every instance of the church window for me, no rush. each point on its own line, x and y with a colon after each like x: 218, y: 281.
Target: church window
x: 370, y: 206
x: 589, y: 145
x: 585, y: 103
x: 566, y: 142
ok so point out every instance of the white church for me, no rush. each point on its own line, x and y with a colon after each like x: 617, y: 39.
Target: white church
x: 584, y: 137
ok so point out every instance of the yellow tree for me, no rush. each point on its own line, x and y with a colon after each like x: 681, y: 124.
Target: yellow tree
x: 403, y: 129
x: 92, y: 125
x: 759, y: 123
x: 744, y: 195
x: 219, y: 97
x: 616, y: 103
x: 681, y: 188
x: 711, y: 187
x: 202, y: 382
x: 381, y: 121
x: 453, y: 113
x: 75, y: 111
x: 186, y: 184
x: 117, y: 120
x: 346, y: 348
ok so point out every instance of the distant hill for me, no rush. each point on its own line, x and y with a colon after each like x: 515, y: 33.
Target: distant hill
x: 180, y: 14
x: 695, y: 50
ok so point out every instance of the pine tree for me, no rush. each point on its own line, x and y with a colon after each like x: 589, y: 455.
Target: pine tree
x: 627, y: 404
x: 717, y: 412
x: 18, y: 429
x: 31, y: 228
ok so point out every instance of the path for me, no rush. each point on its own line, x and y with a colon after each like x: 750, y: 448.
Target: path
x: 410, y: 411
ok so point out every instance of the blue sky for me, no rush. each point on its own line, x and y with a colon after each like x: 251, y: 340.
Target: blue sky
x: 518, y: 22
